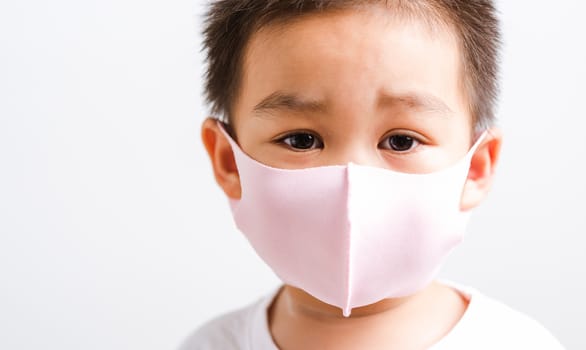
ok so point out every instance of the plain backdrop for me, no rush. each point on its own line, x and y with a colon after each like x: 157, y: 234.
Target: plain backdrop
x: 113, y: 234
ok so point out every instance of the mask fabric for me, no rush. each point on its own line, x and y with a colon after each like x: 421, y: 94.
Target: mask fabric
x: 351, y: 235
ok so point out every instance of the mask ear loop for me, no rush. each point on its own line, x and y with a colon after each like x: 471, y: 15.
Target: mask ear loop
x: 228, y: 134
x: 236, y: 150
x: 227, y: 128
x: 479, y: 139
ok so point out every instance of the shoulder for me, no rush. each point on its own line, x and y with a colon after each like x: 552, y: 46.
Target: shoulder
x: 490, y: 324
x: 512, y: 324
x: 225, y: 332
x: 231, y: 331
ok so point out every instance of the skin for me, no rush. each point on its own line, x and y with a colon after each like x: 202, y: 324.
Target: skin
x: 348, y: 93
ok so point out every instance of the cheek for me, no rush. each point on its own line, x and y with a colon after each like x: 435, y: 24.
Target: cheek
x: 436, y: 157
x: 450, y: 144
x: 427, y: 159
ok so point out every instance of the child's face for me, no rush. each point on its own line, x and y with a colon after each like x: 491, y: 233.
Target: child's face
x: 355, y: 86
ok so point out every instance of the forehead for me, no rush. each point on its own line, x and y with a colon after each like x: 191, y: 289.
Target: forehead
x: 350, y: 59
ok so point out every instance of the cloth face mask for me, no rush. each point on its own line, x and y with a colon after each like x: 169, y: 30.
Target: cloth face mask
x: 351, y: 235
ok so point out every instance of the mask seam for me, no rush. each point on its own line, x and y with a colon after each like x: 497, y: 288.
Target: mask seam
x: 348, y: 268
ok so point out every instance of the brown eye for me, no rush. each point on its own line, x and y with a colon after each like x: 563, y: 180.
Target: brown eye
x: 399, y: 143
x: 302, y: 141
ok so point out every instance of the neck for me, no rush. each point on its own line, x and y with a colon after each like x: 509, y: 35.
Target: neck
x: 297, y: 303
x: 298, y: 321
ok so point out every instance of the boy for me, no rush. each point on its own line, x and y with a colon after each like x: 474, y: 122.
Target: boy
x: 357, y: 135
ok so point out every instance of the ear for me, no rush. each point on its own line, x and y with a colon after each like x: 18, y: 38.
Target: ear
x: 221, y: 157
x: 482, y: 169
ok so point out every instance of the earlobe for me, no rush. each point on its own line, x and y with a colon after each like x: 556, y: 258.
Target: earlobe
x: 482, y: 168
x: 221, y: 157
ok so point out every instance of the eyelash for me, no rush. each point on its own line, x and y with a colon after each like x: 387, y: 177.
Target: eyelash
x: 411, y: 139
x: 316, y: 140
x: 317, y: 143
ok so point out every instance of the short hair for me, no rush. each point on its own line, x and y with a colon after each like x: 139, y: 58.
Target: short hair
x: 229, y: 25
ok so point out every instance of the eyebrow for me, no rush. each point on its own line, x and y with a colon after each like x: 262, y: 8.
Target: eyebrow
x: 280, y: 100
x: 416, y: 101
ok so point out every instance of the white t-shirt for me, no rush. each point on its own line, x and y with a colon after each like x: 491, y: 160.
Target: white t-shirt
x: 486, y: 324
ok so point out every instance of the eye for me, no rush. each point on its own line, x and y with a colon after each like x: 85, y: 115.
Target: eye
x: 302, y: 141
x: 399, y: 143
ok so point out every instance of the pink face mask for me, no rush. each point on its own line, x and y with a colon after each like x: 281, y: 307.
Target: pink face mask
x: 351, y: 235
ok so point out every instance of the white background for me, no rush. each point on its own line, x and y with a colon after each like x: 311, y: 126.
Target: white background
x: 113, y: 234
